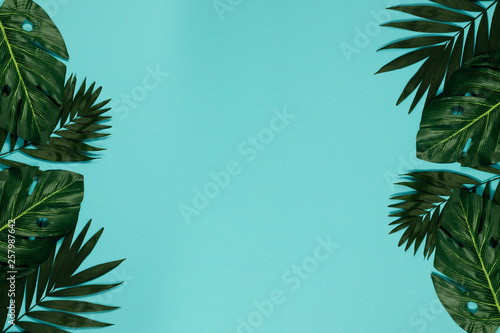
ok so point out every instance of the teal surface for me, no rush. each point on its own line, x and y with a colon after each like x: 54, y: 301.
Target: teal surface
x: 247, y: 177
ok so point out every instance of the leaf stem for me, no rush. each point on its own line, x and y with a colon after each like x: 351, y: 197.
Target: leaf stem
x: 17, y: 149
x: 486, y: 181
x: 468, y: 24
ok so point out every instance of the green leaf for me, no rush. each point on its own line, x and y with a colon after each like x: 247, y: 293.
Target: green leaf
x: 80, y: 119
x: 56, y: 197
x: 467, y: 109
x: 461, y: 4
x: 426, y: 188
x: 439, y: 73
x: 63, y: 263
x: 45, y: 271
x: 19, y: 293
x: 91, y: 273
x: 39, y: 327
x: 408, y: 59
x: 456, y: 57
x: 419, y: 210
x: 65, y: 319
x: 482, y: 37
x: 430, y: 198
x: 422, y: 205
x: 52, y: 152
x: 443, y: 178
x: 63, y: 255
x: 4, y: 302
x: 76, y: 306
x: 80, y: 136
x: 469, y: 260
x: 452, y: 55
x: 469, y: 44
x: 495, y: 29
x: 424, y: 26
x: 420, y: 78
x: 31, y: 281
x: 434, y: 13
x: 79, y: 256
x: 3, y: 138
x: 431, y: 240
x: 13, y: 164
x: 417, y: 42
x: 59, y: 267
x: 83, y: 290
x: 496, y: 196
x: 32, y: 77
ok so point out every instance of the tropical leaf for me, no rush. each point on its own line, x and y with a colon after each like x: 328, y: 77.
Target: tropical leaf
x: 468, y: 109
x: 56, y: 281
x: 468, y: 256
x: 418, y: 211
x: 449, y: 41
x: 13, y: 164
x: 80, y: 117
x: 32, y: 220
x: 31, y: 78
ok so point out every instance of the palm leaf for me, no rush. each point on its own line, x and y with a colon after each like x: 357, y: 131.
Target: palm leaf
x: 468, y: 108
x: 450, y: 40
x: 56, y: 282
x: 468, y: 256
x: 56, y: 197
x: 418, y: 211
x: 80, y: 117
x: 31, y: 78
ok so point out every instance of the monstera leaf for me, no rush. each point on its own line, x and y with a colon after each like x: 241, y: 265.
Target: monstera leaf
x: 453, y: 33
x: 468, y: 109
x: 51, y: 293
x: 38, y: 217
x: 469, y: 256
x: 418, y: 212
x: 80, y: 118
x: 31, y: 79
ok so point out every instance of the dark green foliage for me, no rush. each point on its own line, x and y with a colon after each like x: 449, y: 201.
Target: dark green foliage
x: 31, y: 79
x: 450, y: 39
x: 468, y: 255
x: 79, y: 119
x: 468, y: 109
x: 46, y: 119
x: 49, y: 289
x: 459, y: 48
x: 56, y: 197
x: 418, y: 213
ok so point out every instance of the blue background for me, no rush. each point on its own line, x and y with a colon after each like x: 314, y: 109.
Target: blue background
x: 327, y: 174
